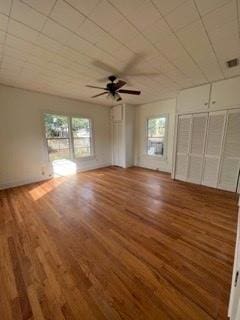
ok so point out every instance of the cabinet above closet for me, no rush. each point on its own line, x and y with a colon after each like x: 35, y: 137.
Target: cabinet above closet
x: 225, y: 93
x: 219, y: 95
x: 193, y: 99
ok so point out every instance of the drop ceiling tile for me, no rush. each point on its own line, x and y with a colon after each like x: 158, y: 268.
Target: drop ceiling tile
x: 223, y: 15
x: 232, y: 72
x: 2, y: 36
x: 80, y: 45
x: 90, y: 31
x: 44, y: 6
x: 21, y: 45
x: 67, y: 16
x: 5, y: 6
x: 183, y: 15
x: 107, y: 43
x: 229, y: 36
x: 84, y: 6
x: 126, y: 7
x: 22, y: 31
x: 3, y: 22
x: 27, y: 15
x: 157, y: 30
x: 49, y: 44
x: 56, y: 32
x: 195, y: 40
x: 189, y: 68
x: 205, y: 6
x: 170, y: 46
x: 166, y: 7
x: 105, y: 15
x: 123, y: 31
x: 144, y: 15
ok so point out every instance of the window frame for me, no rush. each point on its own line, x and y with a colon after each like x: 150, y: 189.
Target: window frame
x: 71, y: 141
x: 90, y: 138
x: 158, y: 156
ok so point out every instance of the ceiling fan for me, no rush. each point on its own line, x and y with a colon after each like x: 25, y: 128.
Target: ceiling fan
x: 113, y: 89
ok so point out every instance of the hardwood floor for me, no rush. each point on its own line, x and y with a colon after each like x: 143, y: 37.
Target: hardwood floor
x: 116, y: 244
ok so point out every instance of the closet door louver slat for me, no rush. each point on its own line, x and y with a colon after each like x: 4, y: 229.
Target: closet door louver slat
x: 199, y: 123
x: 215, y: 132
x: 183, y: 140
x: 230, y: 163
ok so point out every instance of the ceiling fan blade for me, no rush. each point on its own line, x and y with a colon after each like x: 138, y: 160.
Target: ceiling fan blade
x: 101, y: 65
x: 119, y: 98
x: 130, y: 91
x: 133, y: 62
x: 96, y: 87
x: 120, y: 84
x: 100, y: 94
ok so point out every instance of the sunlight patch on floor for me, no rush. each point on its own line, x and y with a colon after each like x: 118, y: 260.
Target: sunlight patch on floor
x: 63, y: 167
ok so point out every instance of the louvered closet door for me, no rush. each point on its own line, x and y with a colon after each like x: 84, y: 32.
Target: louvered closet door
x: 213, y: 148
x: 230, y: 162
x: 196, y: 155
x: 183, y: 142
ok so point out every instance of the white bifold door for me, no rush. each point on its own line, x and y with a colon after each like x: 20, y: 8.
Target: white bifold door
x: 208, y: 149
x: 230, y: 161
x: 196, y: 150
x: 213, y: 148
x: 190, y: 147
x: 183, y: 143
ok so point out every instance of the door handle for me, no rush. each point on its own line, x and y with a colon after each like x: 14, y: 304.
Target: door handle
x: 236, y: 279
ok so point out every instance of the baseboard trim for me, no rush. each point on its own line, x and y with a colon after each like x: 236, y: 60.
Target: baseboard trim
x: 12, y: 184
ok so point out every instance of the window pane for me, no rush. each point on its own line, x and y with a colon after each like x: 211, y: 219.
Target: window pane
x: 156, y: 127
x: 81, y: 127
x: 56, y: 126
x: 81, y: 137
x: 58, y: 149
x: 82, y: 147
x: 156, y: 146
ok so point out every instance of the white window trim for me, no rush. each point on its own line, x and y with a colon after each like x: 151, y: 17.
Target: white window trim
x: 71, y: 144
x: 164, y: 156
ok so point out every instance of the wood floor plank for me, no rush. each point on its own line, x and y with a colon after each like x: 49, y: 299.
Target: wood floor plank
x: 116, y: 244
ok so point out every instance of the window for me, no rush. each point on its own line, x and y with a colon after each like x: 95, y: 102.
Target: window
x: 81, y: 129
x: 68, y: 137
x: 156, y: 136
x: 57, y: 135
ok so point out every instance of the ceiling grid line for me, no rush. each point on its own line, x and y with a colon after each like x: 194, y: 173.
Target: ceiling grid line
x: 38, y: 32
x: 175, y: 34
x: 238, y: 17
x: 5, y: 37
x: 210, y: 41
x: 151, y: 44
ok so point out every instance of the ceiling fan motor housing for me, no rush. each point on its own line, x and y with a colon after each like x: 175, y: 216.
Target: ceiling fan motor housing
x: 112, y: 78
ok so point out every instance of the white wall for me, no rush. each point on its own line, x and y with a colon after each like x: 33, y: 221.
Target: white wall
x: 144, y: 112
x: 130, y: 117
x: 23, y: 154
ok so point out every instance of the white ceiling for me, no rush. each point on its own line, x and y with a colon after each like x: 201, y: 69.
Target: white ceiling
x: 59, y: 46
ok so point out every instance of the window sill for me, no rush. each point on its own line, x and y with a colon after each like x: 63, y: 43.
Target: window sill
x: 154, y: 156
x: 86, y: 158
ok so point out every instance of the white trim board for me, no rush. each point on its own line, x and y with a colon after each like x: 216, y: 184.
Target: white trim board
x: 18, y: 183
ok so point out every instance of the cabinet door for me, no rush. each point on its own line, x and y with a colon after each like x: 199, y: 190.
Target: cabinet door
x: 196, y: 154
x: 213, y: 149
x: 183, y: 143
x: 230, y: 163
x: 225, y: 93
x: 193, y: 99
